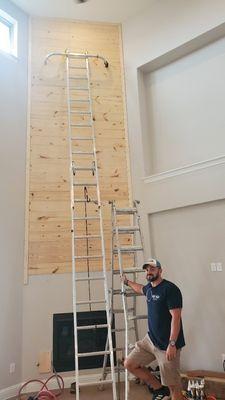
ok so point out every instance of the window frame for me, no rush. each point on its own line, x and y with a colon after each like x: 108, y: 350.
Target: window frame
x: 12, y: 24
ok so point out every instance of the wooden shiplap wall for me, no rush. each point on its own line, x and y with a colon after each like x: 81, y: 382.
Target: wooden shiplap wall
x: 49, y: 241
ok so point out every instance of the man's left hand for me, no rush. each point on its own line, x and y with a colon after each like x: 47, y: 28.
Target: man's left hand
x: 171, y: 352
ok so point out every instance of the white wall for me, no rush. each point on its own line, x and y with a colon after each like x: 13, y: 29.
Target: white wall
x: 13, y: 100
x: 152, y: 40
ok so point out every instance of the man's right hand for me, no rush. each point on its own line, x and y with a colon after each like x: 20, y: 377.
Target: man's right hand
x: 124, y: 280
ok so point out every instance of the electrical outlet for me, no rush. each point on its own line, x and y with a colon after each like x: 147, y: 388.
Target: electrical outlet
x: 213, y: 267
x: 12, y: 368
x: 223, y: 360
x: 219, y: 267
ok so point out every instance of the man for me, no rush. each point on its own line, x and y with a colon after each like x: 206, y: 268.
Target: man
x: 165, y: 334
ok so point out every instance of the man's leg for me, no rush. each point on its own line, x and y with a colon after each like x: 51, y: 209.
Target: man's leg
x: 176, y: 393
x: 170, y: 373
x: 135, y: 363
x: 142, y: 373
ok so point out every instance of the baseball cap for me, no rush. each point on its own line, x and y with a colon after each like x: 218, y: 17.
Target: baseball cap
x: 153, y: 262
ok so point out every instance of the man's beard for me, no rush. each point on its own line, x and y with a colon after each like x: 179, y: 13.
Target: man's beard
x: 153, y: 278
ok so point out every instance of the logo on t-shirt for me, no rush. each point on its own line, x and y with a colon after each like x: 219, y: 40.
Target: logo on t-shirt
x: 155, y: 297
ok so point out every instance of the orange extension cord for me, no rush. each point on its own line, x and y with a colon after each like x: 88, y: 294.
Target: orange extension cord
x: 44, y: 393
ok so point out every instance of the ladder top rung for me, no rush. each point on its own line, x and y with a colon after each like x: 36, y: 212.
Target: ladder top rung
x: 86, y: 218
x: 129, y: 271
x: 85, y: 184
x: 128, y: 249
x: 126, y: 210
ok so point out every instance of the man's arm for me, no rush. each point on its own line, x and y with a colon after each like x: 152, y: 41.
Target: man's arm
x: 174, y: 332
x: 137, y: 287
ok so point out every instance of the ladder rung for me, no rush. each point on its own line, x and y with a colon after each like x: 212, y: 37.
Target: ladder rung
x: 85, y: 184
x: 127, y: 229
x: 88, y: 237
x: 90, y: 383
x: 86, y: 201
x: 83, y: 153
x: 79, y: 303
x: 122, y: 329
x: 100, y: 326
x: 126, y: 210
x: 127, y: 293
x: 84, y: 169
x: 80, y: 112
x: 128, y: 271
x: 87, y: 257
x: 75, y: 67
x: 133, y: 294
x: 94, y: 353
x: 79, y: 101
x: 85, y: 218
x: 135, y: 317
x: 90, y: 278
x: 128, y: 249
x: 120, y: 310
x: 78, y: 88
x: 81, y: 125
x: 82, y: 77
x: 82, y: 138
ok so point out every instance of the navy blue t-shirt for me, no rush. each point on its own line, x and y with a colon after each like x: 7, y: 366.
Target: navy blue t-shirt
x: 160, y: 299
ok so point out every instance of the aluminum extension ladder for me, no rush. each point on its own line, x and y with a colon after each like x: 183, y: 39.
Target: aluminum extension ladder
x: 135, y: 248
x: 85, y: 204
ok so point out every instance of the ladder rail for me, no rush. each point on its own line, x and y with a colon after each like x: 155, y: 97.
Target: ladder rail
x: 103, y: 247
x: 125, y: 306
x: 72, y: 229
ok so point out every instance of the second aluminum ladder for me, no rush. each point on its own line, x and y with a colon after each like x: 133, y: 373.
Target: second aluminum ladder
x: 127, y: 254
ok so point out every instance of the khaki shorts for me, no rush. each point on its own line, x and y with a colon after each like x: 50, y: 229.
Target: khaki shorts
x: 145, y: 352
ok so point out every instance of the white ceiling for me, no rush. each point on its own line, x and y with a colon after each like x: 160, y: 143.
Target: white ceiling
x: 93, y: 10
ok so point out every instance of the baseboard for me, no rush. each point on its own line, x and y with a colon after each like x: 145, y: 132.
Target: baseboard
x: 12, y: 391
x: 9, y: 392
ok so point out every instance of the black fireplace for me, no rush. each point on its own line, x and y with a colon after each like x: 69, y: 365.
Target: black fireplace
x: 88, y: 340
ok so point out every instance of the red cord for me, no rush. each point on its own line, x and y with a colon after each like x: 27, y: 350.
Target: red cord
x: 45, y: 393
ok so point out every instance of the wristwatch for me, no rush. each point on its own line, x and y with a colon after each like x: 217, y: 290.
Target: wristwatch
x: 172, y: 343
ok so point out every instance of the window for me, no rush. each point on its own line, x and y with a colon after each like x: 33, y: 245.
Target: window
x: 8, y: 33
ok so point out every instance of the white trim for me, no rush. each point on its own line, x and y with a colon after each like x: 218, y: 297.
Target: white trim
x: 190, y: 168
x: 13, y: 26
x: 9, y: 392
